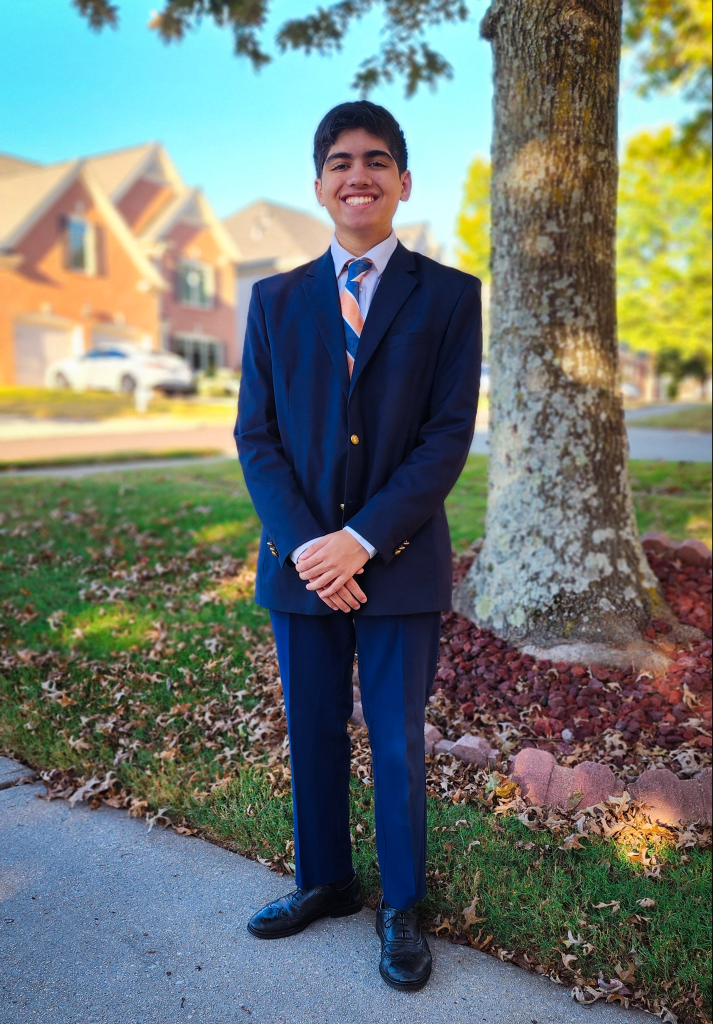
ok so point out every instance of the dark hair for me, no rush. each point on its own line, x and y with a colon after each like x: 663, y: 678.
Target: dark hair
x: 359, y: 114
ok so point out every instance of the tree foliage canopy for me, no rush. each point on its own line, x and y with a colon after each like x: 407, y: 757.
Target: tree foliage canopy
x: 664, y: 246
x: 473, y: 223
x: 672, y: 40
x: 405, y: 53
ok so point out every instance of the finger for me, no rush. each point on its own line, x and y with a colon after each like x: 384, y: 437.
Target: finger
x: 335, y: 586
x: 340, y: 602
x: 312, y: 553
x: 353, y: 587
x: 346, y: 595
x: 329, y: 602
x: 357, y: 573
x: 304, y: 562
x: 312, y: 574
x: 325, y: 580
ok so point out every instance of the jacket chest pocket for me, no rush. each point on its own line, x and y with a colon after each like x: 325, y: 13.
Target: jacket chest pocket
x: 411, y: 339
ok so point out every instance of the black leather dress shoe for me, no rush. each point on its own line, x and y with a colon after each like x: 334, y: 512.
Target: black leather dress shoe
x: 405, y: 956
x: 299, y: 908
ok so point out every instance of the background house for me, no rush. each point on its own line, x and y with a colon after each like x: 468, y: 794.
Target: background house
x: 272, y: 239
x: 111, y: 248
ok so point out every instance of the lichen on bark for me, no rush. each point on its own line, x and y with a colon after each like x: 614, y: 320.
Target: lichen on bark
x: 561, y: 562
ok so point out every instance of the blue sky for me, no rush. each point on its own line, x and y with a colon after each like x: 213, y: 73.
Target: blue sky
x: 66, y: 91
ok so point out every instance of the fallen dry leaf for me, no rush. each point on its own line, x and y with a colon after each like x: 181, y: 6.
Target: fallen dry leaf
x: 615, y: 906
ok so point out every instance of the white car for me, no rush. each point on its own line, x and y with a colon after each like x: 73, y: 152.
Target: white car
x: 122, y: 368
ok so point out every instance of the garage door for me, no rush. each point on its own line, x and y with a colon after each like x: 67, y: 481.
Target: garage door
x: 36, y: 346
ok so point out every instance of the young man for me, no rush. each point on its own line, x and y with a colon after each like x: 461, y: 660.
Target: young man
x: 356, y: 414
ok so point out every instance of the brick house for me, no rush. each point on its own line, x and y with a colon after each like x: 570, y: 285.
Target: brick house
x: 112, y: 248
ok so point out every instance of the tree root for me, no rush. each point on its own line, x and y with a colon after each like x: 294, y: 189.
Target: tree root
x: 637, y: 655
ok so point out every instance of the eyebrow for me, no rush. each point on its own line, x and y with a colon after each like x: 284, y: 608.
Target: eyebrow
x: 368, y: 155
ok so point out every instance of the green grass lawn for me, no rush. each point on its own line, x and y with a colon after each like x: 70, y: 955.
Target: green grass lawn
x: 672, y: 497
x: 696, y: 417
x: 55, y: 403
x: 114, y: 458
x: 126, y: 632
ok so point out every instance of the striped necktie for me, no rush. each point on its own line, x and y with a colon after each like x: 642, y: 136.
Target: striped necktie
x: 349, y: 301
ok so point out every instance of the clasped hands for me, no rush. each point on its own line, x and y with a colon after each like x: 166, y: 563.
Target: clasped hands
x: 329, y: 567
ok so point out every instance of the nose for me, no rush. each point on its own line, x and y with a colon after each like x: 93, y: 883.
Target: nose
x: 360, y: 177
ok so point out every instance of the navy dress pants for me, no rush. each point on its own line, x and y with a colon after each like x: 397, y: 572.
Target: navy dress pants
x: 398, y: 655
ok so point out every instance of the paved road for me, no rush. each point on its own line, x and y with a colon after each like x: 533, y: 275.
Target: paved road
x: 24, y: 439
x: 645, y: 443
x: 103, y: 922
x: 643, y: 412
x: 185, y: 437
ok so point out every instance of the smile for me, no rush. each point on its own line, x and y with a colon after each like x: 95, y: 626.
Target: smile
x: 359, y: 200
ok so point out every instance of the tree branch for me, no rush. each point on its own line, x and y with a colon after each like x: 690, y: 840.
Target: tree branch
x: 99, y: 13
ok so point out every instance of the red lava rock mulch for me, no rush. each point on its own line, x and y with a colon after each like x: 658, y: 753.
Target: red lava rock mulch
x: 628, y: 720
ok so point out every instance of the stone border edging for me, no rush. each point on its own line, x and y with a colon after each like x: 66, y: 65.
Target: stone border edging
x: 667, y: 798
x: 689, y: 552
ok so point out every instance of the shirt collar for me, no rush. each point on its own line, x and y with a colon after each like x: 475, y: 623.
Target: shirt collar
x: 379, y: 255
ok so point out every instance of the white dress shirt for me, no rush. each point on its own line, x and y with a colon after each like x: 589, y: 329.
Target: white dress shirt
x: 380, y: 256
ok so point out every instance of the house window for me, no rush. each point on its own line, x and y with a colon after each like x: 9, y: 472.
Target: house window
x: 196, y: 284
x: 204, y: 354
x: 81, y: 245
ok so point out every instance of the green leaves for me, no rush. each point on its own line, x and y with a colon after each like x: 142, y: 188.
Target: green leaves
x: 404, y: 54
x: 672, y: 41
x: 664, y: 246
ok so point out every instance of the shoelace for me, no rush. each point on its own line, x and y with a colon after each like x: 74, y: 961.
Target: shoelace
x: 294, y: 896
x: 398, y: 922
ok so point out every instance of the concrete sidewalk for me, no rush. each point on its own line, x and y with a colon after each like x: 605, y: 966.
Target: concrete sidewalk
x: 103, y: 922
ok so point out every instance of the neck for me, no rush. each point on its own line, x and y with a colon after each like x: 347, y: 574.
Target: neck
x: 358, y: 243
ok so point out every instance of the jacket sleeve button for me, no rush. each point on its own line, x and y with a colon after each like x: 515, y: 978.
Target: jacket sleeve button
x: 354, y: 439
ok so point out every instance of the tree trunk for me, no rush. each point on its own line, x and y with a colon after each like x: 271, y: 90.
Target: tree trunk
x: 562, y: 572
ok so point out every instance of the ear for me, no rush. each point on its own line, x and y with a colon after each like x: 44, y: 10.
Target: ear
x: 406, y: 186
x: 318, y: 191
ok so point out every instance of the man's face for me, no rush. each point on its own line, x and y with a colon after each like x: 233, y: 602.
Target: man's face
x: 360, y: 185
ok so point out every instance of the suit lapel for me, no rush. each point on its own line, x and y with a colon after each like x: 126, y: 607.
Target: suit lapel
x: 320, y: 285
x: 397, y: 283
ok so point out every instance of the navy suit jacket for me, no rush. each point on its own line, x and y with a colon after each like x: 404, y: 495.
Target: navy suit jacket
x: 380, y: 452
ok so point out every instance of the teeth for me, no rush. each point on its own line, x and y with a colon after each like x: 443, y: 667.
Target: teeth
x: 359, y: 200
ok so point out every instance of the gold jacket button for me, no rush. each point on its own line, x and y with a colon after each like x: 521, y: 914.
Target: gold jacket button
x: 354, y: 439
x: 342, y: 507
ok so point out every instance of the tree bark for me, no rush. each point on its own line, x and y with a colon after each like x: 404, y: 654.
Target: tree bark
x: 562, y: 571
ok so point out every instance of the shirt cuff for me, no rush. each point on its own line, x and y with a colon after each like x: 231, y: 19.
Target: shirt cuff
x: 371, y: 550
x: 296, y: 552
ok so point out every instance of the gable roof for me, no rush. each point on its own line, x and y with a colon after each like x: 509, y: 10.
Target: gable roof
x: 192, y: 207
x: 265, y: 231
x: 25, y: 196
x: 27, y: 190
x: 14, y: 165
x: 420, y: 237
x: 117, y: 170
